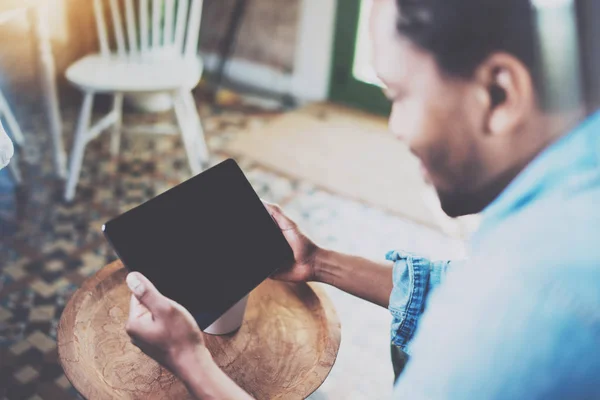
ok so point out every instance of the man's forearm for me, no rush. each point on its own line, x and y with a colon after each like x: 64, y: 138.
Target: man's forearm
x: 205, y: 380
x: 358, y: 276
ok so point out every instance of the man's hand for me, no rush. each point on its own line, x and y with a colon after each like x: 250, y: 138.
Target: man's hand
x: 162, y: 328
x: 305, y: 251
x: 366, y: 279
x: 168, y: 333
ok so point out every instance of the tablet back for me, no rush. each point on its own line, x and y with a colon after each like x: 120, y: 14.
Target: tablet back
x: 206, y: 243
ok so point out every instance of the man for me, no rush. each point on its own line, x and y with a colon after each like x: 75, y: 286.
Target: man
x: 520, y: 319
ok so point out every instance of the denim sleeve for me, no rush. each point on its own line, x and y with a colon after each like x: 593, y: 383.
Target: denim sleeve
x: 414, y: 278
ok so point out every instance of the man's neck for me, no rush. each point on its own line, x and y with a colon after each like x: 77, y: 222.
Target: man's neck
x: 548, y: 129
x: 559, y: 124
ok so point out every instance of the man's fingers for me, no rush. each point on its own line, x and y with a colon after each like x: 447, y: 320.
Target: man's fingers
x: 136, y: 309
x: 147, y: 294
x: 139, y: 315
x: 134, y: 306
x: 280, y: 218
x: 271, y: 208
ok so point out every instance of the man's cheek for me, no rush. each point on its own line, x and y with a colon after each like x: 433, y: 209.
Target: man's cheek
x: 435, y: 156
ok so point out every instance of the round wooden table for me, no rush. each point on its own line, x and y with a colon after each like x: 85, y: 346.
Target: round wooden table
x: 285, y: 348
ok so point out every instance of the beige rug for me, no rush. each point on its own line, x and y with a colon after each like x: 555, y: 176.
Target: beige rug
x: 348, y: 153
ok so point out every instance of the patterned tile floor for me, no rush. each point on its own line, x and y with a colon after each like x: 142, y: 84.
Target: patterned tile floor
x: 48, y: 248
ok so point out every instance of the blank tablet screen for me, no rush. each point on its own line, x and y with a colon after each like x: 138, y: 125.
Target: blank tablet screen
x: 205, y: 243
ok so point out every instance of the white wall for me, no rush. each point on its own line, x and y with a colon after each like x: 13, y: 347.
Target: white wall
x: 252, y: 73
x: 314, y: 50
x: 309, y: 80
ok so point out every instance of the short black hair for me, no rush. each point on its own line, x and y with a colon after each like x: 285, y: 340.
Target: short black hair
x: 463, y: 33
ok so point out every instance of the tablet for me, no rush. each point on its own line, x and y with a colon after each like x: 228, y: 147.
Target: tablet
x: 206, y: 243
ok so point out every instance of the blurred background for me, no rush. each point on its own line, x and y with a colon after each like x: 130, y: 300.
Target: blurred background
x: 286, y: 89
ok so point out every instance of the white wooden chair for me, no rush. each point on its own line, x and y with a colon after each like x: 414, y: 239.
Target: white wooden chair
x: 17, y: 135
x: 155, y: 51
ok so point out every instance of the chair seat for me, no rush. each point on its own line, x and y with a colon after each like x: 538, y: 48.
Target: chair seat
x: 98, y: 73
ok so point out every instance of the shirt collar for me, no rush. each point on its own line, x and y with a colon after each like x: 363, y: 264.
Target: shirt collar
x: 549, y: 171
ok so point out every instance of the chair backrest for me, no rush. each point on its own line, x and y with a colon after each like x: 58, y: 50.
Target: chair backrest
x: 149, y: 26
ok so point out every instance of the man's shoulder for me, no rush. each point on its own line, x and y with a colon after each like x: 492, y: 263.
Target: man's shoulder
x: 510, y: 323
x: 559, y: 227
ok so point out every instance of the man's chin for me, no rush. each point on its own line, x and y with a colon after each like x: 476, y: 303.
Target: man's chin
x: 457, y: 205
x: 454, y: 212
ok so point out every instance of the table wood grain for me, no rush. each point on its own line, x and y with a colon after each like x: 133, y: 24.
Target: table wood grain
x: 285, y: 348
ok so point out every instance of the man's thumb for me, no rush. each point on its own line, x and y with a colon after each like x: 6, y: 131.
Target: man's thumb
x: 146, y: 293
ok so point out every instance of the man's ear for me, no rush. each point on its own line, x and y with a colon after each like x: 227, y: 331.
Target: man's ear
x: 506, y: 88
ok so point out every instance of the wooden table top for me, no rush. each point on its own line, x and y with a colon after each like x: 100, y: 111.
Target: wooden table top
x: 285, y: 348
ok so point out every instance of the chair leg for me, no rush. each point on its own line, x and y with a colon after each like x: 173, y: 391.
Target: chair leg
x: 13, y: 166
x: 185, y: 125
x: 11, y: 122
x: 78, y: 150
x: 198, y: 134
x: 115, y: 140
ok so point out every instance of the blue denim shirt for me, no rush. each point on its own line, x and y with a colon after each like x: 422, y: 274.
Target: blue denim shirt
x: 521, y: 318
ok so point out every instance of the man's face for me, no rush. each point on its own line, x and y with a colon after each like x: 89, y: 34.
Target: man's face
x: 433, y: 114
